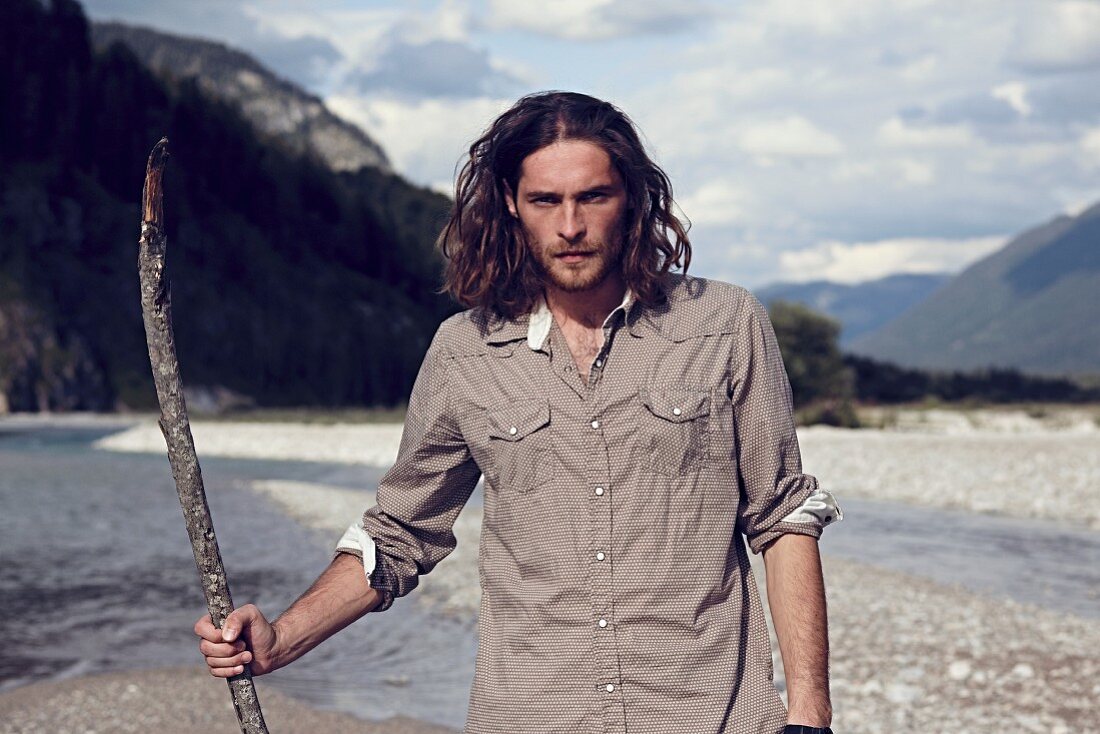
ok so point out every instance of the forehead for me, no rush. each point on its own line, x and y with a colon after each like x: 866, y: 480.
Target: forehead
x: 567, y: 165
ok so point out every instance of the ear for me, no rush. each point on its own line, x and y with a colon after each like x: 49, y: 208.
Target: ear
x: 510, y: 200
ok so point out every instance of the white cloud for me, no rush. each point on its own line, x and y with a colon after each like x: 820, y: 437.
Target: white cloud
x: 921, y: 69
x: 793, y: 136
x: 423, y: 138
x: 716, y: 203
x: 1090, y: 144
x: 1075, y: 202
x: 916, y: 172
x: 786, y: 123
x: 823, y: 18
x: 354, y: 32
x: 896, y: 133
x: 1015, y: 93
x: 853, y: 262
x: 596, y: 20
x: 1055, y: 36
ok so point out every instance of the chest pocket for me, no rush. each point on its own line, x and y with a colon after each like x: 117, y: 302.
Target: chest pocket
x: 675, y: 428
x: 520, y: 453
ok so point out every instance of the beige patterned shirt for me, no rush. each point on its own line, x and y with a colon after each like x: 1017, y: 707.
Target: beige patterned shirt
x: 617, y: 594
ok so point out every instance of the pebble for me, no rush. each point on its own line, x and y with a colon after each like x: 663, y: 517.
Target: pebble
x: 1023, y: 670
x: 959, y: 670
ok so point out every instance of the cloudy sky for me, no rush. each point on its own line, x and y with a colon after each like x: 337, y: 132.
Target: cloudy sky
x: 844, y: 139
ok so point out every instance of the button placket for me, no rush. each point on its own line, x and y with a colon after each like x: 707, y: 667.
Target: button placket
x: 600, y: 569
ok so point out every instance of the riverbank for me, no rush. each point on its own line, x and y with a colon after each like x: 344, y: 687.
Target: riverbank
x: 907, y: 653
x: 168, y: 701
x: 998, y: 461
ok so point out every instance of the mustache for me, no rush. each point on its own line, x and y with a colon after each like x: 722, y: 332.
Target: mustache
x: 581, y: 248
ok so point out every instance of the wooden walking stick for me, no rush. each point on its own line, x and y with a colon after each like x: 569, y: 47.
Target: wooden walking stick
x: 156, y: 309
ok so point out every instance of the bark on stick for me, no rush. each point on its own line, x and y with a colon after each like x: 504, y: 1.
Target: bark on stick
x: 156, y: 309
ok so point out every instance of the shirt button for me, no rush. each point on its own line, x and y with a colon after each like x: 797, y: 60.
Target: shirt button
x: 610, y: 687
x: 677, y: 411
x: 603, y: 622
x: 599, y: 363
x: 513, y: 431
x: 595, y: 424
x: 599, y: 491
x: 600, y: 556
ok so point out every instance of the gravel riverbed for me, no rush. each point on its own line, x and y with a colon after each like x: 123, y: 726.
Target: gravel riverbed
x: 908, y: 653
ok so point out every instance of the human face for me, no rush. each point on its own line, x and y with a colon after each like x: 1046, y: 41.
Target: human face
x: 570, y: 201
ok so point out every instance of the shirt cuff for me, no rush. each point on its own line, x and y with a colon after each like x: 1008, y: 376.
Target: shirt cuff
x: 358, y: 542
x: 819, y: 507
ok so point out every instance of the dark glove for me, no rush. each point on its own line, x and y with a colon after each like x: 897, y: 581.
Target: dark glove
x: 803, y: 729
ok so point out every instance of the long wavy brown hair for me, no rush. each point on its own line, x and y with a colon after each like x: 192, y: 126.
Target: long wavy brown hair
x: 488, y: 262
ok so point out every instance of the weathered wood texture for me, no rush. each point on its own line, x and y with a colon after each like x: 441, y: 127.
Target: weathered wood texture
x: 156, y: 308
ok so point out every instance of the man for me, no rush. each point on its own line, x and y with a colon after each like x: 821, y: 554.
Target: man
x: 632, y: 426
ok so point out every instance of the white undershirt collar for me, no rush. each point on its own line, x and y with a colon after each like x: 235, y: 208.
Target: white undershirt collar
x: 538, y: 327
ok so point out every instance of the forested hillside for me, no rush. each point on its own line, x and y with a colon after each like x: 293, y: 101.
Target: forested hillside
x: 1030, y: 306
x: 292, y: 284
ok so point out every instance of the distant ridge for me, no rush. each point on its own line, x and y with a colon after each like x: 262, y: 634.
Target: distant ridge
x: 859, y: 307
x: 273, y: 105
x: 1034, y: 305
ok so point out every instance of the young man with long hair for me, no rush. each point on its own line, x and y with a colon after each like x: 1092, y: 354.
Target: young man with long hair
x: 634, y: 427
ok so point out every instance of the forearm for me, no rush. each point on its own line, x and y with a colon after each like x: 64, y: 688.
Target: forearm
x: 796, y: 596
x: 338, y: 597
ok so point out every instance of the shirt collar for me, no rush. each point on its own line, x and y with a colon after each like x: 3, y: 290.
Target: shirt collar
x: 540, y: 319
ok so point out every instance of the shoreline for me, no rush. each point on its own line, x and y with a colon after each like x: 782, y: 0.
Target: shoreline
x: 1003, y: 463
x: 169, y: 701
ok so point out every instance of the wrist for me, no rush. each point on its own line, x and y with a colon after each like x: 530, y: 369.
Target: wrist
x: 280, y: 654
x: 806, y: 729
x: 810, y: 713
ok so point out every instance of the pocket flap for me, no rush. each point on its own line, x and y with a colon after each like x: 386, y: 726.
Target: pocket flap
x: 675, y: 404
x: 514, y: 421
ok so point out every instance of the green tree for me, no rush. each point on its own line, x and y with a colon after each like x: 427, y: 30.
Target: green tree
x: 823, y: 386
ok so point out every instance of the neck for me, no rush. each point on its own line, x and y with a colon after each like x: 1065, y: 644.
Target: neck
x: 588, y: 308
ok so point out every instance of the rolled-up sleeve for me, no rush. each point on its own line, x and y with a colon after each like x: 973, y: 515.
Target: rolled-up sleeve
x: 776, y: 497
x: 420, y: 497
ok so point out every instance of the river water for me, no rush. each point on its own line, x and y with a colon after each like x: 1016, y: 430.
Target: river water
x: 97, y: 573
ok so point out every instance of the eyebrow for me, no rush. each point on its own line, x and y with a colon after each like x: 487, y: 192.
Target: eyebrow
x: 598, y: 189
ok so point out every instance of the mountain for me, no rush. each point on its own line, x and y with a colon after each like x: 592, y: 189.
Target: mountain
x: 861, y: 307
x: 292, y: 283
x: 1034, y: 305
x: 272, y: 105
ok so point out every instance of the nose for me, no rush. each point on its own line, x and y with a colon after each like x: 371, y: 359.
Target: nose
x: 571, y: 228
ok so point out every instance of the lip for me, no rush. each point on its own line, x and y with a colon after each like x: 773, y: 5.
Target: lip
x: 572, y: 257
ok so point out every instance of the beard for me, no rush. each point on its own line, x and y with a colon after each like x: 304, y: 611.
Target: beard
x: 601, y: 259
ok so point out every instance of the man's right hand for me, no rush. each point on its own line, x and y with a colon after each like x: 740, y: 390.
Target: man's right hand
x: 246, y: 637
x: 339, y: 596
